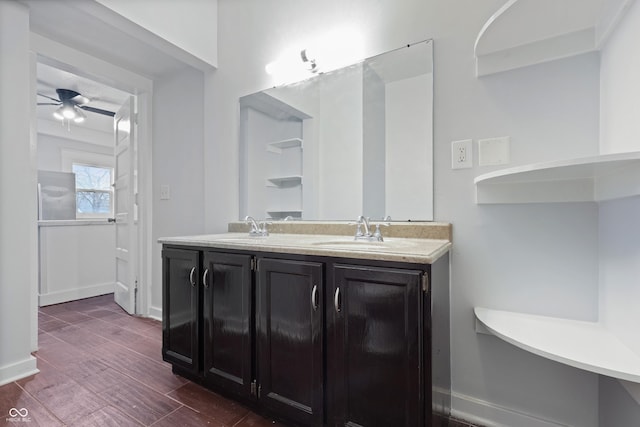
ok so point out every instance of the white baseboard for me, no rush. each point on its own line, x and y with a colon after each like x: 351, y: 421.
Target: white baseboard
x: 75, y: 294
x: 155, y: 313
x: 18, y: 370
x: 491, y: 415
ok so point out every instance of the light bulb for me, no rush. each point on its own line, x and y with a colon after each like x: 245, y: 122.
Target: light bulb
x: 68, y: 112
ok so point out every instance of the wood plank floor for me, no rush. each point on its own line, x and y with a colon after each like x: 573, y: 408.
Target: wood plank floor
x: 101, y: 367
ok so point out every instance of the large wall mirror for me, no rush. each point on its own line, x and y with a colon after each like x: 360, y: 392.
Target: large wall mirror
x: 354, y: 141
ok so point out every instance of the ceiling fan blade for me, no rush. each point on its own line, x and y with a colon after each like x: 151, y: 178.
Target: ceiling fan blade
x: 49, y: 97
x: 49, y: 103
x: 97, y: 110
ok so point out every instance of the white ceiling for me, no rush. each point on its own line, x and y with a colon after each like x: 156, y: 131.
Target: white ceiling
x: 90, y: 27
x: 100, y: 96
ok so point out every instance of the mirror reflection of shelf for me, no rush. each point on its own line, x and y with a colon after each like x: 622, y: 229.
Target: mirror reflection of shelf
x: 282, y: 214
x: 581, y: 344
x: 284, y: 181
x: 278, y: 146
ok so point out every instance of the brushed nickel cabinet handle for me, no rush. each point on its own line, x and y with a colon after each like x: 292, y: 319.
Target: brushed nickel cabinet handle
x: 336, y: 300
x: 314, y: 297
x: 205, y: 276
x: 191, y: 273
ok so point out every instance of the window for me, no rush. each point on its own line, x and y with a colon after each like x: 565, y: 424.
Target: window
x: 94, y: 192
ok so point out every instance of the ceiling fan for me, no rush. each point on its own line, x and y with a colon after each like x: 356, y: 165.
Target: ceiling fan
x: 71, y: 105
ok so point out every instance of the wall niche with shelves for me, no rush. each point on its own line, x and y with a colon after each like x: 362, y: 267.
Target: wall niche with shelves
x: 528, y: 32
x: 591, y: 346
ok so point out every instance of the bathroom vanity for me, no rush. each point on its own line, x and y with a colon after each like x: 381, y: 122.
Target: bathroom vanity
x: 314, y: 329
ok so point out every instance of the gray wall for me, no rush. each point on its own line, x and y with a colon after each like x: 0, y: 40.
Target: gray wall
x: 539, y: 259
x: 177, y: 161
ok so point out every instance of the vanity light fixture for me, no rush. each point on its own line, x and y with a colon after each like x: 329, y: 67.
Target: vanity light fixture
x: 333, y: 50
x: 293, y: 65
x: 308, y: 60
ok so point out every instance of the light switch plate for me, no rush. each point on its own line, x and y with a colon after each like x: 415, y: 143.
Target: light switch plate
x: 494, y: 151
x: 165, y: 192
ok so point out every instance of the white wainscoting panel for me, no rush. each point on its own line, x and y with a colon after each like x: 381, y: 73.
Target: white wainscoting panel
x: 77, y: 260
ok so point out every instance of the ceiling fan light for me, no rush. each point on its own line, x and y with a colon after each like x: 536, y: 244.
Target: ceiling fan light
x: 69, y: 112
x: 58, y: 114
x: 80, y: 116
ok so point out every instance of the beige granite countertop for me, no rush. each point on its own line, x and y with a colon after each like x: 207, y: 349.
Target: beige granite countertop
x: 400, y: 249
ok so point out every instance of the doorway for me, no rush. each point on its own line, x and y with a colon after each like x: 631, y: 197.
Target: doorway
x: 76, y: 178
x: 98, y: 75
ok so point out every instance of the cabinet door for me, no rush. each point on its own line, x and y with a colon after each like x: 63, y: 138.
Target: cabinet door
x: 373, y: 349
x: 180, y: 300
x: 227, y: 321
x: 290, y: 342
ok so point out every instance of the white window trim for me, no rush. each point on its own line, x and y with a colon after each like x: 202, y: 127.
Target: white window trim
x: 87, y: 158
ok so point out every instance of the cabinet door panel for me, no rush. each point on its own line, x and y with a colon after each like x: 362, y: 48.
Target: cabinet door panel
x: 227, y: 321
x: 374, y: 347
x: 180, y: 308
x: 290, y: 357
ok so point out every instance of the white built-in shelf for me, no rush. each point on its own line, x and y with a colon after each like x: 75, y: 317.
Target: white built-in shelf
x: 284, y: 181
x: 598, y: 178
x: 528, y: 32
x: 584, y: 345
x: 278, y: 146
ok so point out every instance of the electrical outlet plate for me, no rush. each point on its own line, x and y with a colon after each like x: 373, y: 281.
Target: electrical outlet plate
x: 462, y: 154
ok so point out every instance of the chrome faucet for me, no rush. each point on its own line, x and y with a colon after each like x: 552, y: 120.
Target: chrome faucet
x: 363, y: 222
x: 256, y: 230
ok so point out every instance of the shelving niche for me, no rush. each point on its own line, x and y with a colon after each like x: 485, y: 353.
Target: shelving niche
x: 528, y: 32
x: 585, y: 345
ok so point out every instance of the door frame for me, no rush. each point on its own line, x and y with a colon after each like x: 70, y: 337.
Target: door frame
x: 66, y: 58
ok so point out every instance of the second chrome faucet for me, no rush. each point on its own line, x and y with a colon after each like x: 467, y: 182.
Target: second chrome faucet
x: 257, y: 230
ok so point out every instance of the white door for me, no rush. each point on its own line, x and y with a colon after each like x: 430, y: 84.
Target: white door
x: 125, y: 207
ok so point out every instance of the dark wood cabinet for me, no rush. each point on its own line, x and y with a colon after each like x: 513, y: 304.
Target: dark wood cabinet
x: 373, y: 347
x: 314, y: 341
x: 227, y: 321
x: 180, y: 308
x: 290, y: 339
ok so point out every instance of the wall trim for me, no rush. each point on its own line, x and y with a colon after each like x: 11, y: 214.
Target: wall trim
x: 155, y: 313
x: 18, y: 370
x: 632, y: 388
x: 75, y: 294
x: 485, y: 413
